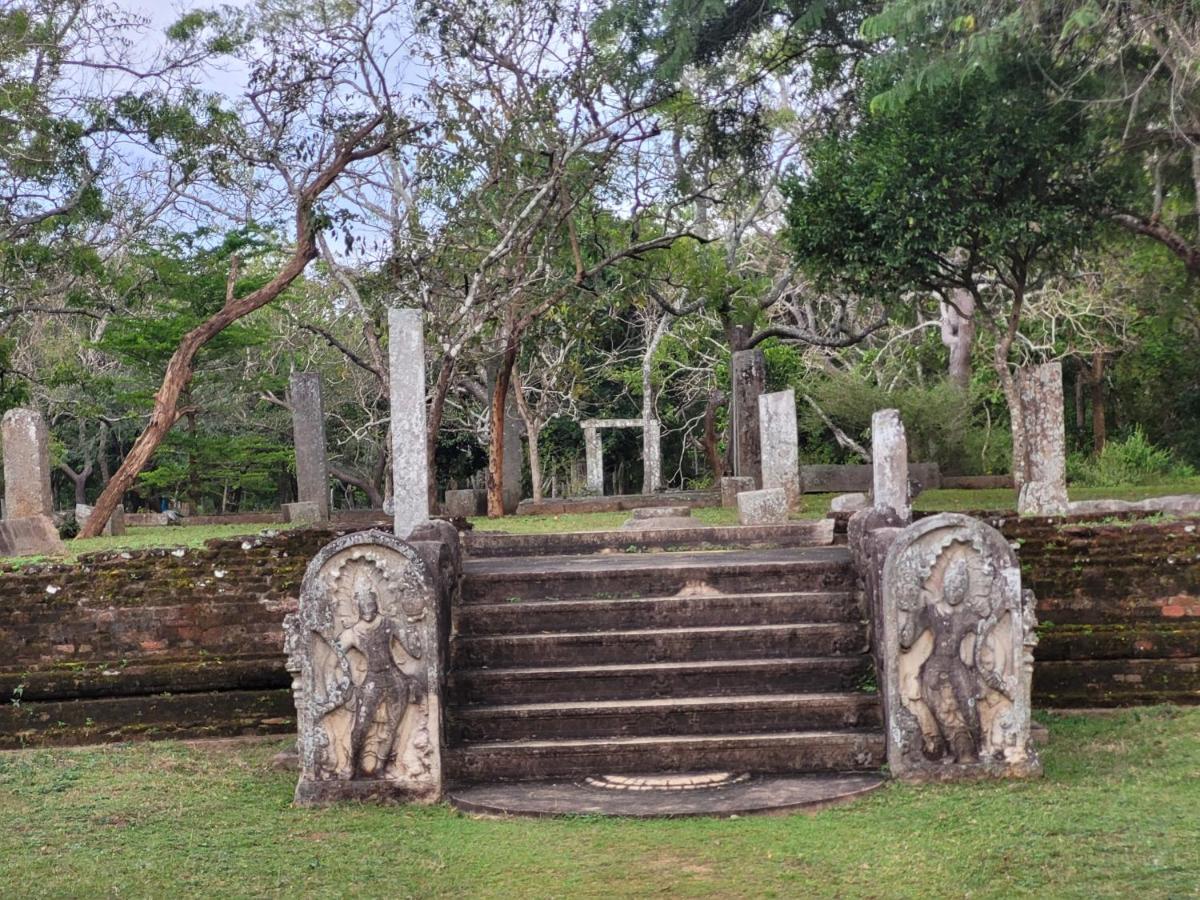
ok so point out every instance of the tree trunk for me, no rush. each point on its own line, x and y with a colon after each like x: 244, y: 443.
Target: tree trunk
x: 433, y: 424
x: 710, y: 440
x: 958, y: 335
x: 495, y: 473
x: 365, y: 484
x: 78, y: 479
x: 1099, y: 428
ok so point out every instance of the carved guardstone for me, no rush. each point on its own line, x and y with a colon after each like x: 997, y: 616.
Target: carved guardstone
x: 957, y: 653
x: 366, y: 661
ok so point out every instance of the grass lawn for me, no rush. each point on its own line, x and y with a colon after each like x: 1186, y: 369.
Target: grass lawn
x: 1115, y: 816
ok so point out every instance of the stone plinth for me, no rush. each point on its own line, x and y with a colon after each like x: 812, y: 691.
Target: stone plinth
x: 749, y: 371
x: 957, y: 653
x: 410, y: 457
x: 365, y: 651
x: 779, y: 443
x: 304, y: 512
x: 26, y: 464
x: 889, y: 462
x: 651, y: 457
x: 594, y: 451
x: 308, y: 435
x: 114, y: 526
x: 1044, y: 490
x: 731, y: 487
x: 765, y: 507
x: 849, y: 503
x: 30, y: 536
x: 465, y: 503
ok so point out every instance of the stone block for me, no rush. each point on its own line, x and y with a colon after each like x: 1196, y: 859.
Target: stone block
x: 660, y: 518
x: 465, y: 503
x: 114, y: 526
x: 957, y: 653
x: 26, y: 464
x: 662, y: 512
x: 889, y: 463
x: 1044, y: 484
x: 30, y: 536
x: 370, y: 605
x: 410, y: 457
x: 857, y: 478
x: 731, y: 487
x: 308, y: 435
x: 765, y: 507
x: 849, y: 502
x: 778, y: 441
x: 303, y: 512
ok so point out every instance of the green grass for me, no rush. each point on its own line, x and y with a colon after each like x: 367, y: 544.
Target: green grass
x: 1005, y: 498
x: 1115, y: 816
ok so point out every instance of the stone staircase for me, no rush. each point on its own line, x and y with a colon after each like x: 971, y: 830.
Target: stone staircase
x: 749, y: 661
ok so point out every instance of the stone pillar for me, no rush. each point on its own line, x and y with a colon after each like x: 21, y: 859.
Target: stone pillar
x: 410, y: 460
x: 28, y: 527
x: 651, y: 457
x: 308, y: 435
x: 595, y: 461
x: 749, y: 370
x: 1044, y: 491
x: 778, y: 439
x: 26, y: 465
x: 889, y: 462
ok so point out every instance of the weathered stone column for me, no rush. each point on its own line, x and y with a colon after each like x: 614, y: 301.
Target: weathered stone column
x: 1044, y: 491
x: 28, y: 526
x: 26, y: 465
x: 410, y: 460
x: 308, y: 435
x: 889, y: 463
x: 749, y: 369
x: 780, y: 444
x: 595, y: 461
x: 651, y: 457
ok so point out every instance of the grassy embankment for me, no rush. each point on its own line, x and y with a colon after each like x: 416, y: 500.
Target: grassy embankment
x: 1114, y: 816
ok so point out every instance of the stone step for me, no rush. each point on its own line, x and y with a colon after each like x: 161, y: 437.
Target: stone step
x: 709, y: 678
x: 482, y: 544
x: 658, y: 612
x: 842, y: 750
x: 679, y: 716
x: 540, y: 578
x: 597, y: 648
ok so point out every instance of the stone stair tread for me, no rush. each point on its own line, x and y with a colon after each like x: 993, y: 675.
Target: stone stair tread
x: 668, y: 632
x: 502, y: 567
x: 664, y: 703
x: 770, y: 737
x: 585, y: 602
x: 650, y: 667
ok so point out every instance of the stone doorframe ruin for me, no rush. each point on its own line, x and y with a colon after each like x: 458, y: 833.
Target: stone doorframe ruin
x: 651, y: 452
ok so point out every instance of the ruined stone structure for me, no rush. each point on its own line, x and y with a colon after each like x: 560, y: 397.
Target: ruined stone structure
x: 1044, y: 486
x: 594, y: 451
x: 410, y: 456
x: 779, y: 442
x: 308, y: 435
x: 889, y: 459
x: 364, y: 649
x: 731, y: 486
x: 957, y: 653
x: 27, y: 528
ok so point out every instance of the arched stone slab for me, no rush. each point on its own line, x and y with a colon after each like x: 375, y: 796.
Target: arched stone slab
x: 958, y: 638
x: 364, y: 652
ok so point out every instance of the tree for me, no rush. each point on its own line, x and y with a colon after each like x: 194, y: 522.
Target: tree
x: 316, y: 107
x: 989, y: 187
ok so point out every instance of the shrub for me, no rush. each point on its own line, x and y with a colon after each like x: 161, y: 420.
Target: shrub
x: 1132, y: 460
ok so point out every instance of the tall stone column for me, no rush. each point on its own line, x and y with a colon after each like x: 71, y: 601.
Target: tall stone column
x: 780, y: 444
x: 594, y: 451
x: 28, y: 526
x: 410, y: 459
x: 651, y: 456
x: 308, y: 434
x: 1044, y: 490
x: 889, y: 463
x: 26, y: 465
x: 749, y: 369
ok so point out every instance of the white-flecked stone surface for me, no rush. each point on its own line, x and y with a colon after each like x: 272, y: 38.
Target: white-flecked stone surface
x: 779, y: 442
x: 26, y: 448
x: 308, y: 437
x: 1044, y: 492
x: 889, y: 462
x: 765, y: 507
x: 410, y: 460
